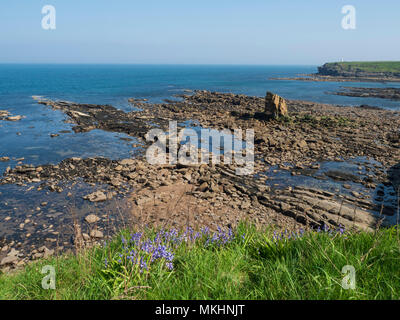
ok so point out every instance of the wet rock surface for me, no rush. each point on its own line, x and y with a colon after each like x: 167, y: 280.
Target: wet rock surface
x: 31, y: 219
x: 5, y: 115
x: 382, y: 93
x: 87, y: 117
x: 321, y: 164
x: 327, y: 78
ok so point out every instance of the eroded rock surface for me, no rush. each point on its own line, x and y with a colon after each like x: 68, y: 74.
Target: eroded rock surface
x: 275, y: 106
x: 214, y: 195
x: 381, y: 93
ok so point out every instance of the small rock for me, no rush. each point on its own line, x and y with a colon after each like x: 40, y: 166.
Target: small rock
x: 85, y: 236
x: 12, y: 258
x: 14, y: 118
x: 127, y: 162
x: 355, y: 194
x: 96, y: 234
x: 96, y: 196
x: 91, y: 218
x: 48, y: 253
x: 203, y: 187
x: 9, y: 260
x: 37, y: 256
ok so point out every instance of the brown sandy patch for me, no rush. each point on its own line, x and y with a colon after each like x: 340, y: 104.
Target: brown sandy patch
x: 180, y: 205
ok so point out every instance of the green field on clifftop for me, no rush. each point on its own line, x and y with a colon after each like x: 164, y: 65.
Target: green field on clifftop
x: 382, y: 66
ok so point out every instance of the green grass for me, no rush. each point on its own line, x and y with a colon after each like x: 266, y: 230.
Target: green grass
x: 324, y: 121
x: 249, y: 267
x: 373, y: 66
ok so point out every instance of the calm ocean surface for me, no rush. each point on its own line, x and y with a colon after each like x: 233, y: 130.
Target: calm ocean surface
x: 114, y: 84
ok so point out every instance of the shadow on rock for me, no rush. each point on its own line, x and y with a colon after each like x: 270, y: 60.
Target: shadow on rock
x: 394, y: 178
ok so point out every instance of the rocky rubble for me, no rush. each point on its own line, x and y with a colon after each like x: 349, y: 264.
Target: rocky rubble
x: 87, y: 117
x: 381, y: 93
x: 312, y: 131
x: 5, y: 115
x: 215, y: 187
x: 214, y: 195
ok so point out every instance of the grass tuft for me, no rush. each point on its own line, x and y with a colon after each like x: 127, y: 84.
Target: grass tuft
x: 246, y: 263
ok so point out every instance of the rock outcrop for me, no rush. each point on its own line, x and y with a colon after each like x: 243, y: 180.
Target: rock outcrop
x: 275, y: 106
x: 356, y: 70
x: 381, y: 93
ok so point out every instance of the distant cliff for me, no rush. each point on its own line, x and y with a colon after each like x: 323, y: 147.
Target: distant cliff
x: 384, y: 69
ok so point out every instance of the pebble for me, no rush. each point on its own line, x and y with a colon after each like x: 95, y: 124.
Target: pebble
x: 91, y: 218
x: 96, y: 234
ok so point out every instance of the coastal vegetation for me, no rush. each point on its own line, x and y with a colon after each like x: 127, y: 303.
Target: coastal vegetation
x: 386, y: 68
x: 245, y: 263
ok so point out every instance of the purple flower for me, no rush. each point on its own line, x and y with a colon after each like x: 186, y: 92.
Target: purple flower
x: 205, y: 231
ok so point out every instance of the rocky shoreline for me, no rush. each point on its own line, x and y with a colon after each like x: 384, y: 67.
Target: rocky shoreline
x: 352, y: 72
x: 366, y: 70
x: 328, y: 78
x: 297, y: 145
x: 381, y: 93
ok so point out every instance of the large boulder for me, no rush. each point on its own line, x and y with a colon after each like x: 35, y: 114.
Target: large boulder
x: 275, y: 106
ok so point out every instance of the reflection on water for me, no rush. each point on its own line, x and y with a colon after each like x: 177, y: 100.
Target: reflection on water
x: 34, y: 218
x: 339, y: 177
x: 31, y: 139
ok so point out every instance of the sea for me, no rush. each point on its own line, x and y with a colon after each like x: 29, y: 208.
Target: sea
x: 29, y: 140
x: 115, y: 84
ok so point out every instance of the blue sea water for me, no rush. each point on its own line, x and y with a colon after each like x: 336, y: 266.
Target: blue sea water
x: 114, y: 84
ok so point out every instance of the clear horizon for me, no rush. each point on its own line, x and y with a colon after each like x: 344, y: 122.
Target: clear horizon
x: 182, y: 64
x: 256, y: 32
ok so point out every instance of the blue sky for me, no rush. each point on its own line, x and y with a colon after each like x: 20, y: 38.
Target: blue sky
x: 198, y: 32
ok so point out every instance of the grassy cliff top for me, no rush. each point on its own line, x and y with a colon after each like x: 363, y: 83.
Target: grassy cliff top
x: 372, y: 66
x: 241, y: 264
